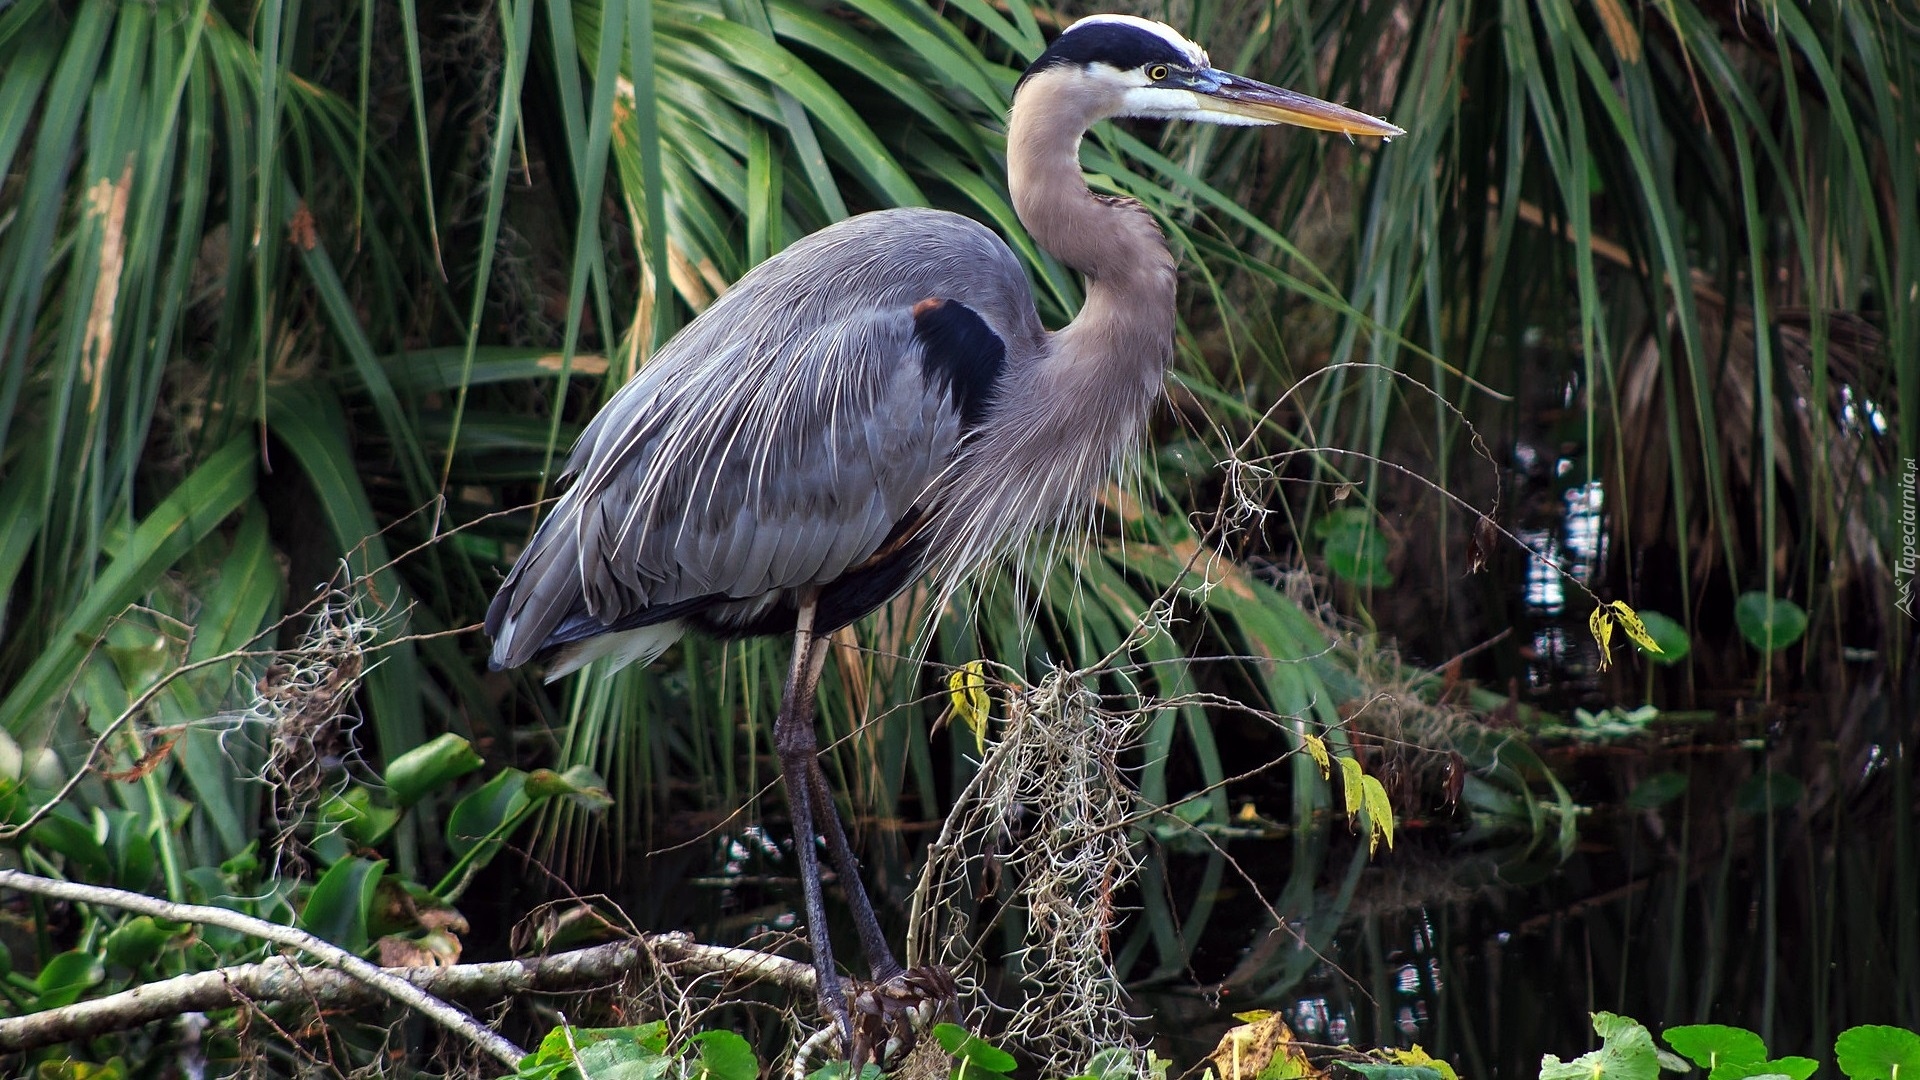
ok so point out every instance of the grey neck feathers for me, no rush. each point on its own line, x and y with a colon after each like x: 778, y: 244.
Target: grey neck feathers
x: 1124, y: 333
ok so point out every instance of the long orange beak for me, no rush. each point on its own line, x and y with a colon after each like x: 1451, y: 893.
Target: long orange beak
x: 1248, y: 101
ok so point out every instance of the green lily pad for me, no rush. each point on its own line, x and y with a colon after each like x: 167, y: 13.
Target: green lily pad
x: 1878, y: 1052
x: 1669, y: 635
x: 1712, y: 1045
x: 1626, y: 1053
x: 1769, y: 624
x: 1791, y: 1068
x: 1768, y: 791
x: 1650, y: 794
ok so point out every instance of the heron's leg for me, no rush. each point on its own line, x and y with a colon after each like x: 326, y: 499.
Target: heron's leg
x: 884, y: 1018
x: 793, y: 741
x: 873, y: 941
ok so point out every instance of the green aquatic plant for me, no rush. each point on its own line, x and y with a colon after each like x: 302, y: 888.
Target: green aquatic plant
x: 1628, y: 1052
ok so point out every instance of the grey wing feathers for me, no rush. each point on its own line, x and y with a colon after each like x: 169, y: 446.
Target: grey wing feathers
x: 773, y: 443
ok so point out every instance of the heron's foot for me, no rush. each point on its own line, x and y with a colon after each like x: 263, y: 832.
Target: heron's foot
x: 833, y: 1005
x: 889, y: 1016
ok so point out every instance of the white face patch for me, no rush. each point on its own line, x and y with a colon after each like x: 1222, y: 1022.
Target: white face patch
x: 1165, y: 103
x: 1194, y: 53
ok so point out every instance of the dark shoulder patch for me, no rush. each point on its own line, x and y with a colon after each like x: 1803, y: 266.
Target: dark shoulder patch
x: 959, y: 349
x: 1117, y: 44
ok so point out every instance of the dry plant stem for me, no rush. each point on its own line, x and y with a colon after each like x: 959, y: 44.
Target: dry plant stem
x: 285, y: 979
x: 387, y: 984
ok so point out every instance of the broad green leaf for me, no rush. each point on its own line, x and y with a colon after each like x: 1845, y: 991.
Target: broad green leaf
x: 483, y: 812
x: 428, y: 767
x: 366, y: 822
x: 62, y: 833
x: 1766, y: 791
x: 1113, y: 1063
x: 615, y: 1059
x: 338, y: 906
x: 137, y: 941
x: 1792, y: 1068
x: 1626, y: 1053
x: 131, y: 845
x: 1650, y: 794
x: 1769, y: 623
x: 1354, y: 547
x: 724, y: 1056
x: 1878, y: 1052
x: 1710, y: 1045
x: 66, y: 978
x: 629, y: 1053
x: 973, y: 1050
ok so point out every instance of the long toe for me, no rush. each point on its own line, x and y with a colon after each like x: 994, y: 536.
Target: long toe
x: 889, y: 1016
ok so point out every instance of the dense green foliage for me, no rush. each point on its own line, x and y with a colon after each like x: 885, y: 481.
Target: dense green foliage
x: 304, y: 303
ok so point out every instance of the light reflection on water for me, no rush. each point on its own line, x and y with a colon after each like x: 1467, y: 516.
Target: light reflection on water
x: 1574, y: 544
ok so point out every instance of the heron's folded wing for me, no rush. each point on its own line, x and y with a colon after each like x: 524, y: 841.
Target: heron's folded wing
x: 771, y: 466
x: 778, y: 438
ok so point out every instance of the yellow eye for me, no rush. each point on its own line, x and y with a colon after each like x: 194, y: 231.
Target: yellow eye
x: 1156, y: 73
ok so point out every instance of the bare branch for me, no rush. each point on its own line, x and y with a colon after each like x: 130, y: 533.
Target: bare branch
x: 285, y: 979
x: 387, y: 984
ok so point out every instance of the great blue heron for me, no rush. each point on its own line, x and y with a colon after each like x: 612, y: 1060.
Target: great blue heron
x: 875, y: 402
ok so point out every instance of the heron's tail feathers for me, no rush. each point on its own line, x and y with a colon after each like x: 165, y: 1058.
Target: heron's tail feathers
x: 642, y: 645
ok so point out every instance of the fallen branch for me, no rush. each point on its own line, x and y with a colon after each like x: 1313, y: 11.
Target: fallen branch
x: 285, y: 979
x: 350, y: 966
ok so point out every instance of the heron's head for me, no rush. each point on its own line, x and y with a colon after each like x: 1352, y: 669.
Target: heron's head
x: 1120, y: 65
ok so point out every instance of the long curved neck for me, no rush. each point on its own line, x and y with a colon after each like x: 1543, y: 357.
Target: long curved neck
x: 1126, y: 326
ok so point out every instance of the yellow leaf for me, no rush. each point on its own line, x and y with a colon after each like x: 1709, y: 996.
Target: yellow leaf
x: 967, y: 690
x: 1350, y: 776
x: 1317, y: 748
x: 1419, y: 1056
x: 1263, y: 1048
x: 1600, y: 625
x: 1637, y: 630
x: 1373, y: 795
